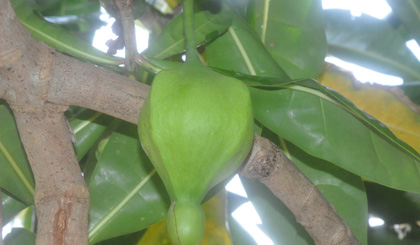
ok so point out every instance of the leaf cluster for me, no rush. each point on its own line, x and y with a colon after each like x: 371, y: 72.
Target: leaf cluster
x: 277, y: 48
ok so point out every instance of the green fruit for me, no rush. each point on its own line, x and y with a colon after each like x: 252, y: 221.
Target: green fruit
x: 197, y: 128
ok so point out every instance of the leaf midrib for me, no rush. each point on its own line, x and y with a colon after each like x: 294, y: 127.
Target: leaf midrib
x: 382, y: 59
x: 16, y: 168
x: 95, y: 229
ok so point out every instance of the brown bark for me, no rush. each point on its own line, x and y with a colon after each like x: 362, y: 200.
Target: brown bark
x: 268, y: 165
x: 74, y: 82
x: 61, y: 195
x: 39, y: 83
x: 127, y: 22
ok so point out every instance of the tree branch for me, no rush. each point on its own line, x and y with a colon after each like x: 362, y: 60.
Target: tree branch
x: 268, y: 165
x: 61, y: 195
x: 127, y: 21
x: 74, y: 82
x: 39, y: 83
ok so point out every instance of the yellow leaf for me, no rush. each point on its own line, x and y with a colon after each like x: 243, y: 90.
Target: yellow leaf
x: 388, y: 105
x: 216, y: 233
x: 172, y: 3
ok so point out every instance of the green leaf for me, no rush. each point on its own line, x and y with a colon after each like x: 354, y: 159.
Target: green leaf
x: 171, y: 41
x: 20, y: 236
x: 275, y: 214
x: 312, y: 86
x: 15, y: 175
x: 88, y: 126
x: 409, y: 13
x: 334, y: 130
x: 61, y: 8
x: 11, y: 207
x: 57, y: 37
x: 394, y: 207
x: 237, y: 232
x: 126, y: 193
x: 130, y: 239
x: 27, y: 218
x: 240, y: 50
x: 371, y: 43
x: 293, y: 33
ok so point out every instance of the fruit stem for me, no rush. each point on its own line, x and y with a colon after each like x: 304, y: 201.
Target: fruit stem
x: 190, y: 44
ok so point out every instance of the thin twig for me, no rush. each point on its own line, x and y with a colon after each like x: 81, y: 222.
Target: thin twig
x: 127, y: 21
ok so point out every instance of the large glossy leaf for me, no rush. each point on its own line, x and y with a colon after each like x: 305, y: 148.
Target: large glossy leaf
x: 57, y: 37
x: 370, y: 42
x: 129, y: 239
x: 326, y: 125
x: 237, y: 232
x: 386, y: 104
x: 88, y: 126
x: 15, y: 173
x: 11, y: 207
x: 171, y: 41
x: 126, y: 193
x: 274, y: 214
x: 409, y: 13
x: 20, y: 236
x: 241, y: 50
x: 293, y: 33
x: 62, y: 8
x: 335, y: 130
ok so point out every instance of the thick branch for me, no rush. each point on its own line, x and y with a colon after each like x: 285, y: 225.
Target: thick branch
x: 267, y: 164
x: 61, y: 195
x: 34, y: 80
x: 78, y: 83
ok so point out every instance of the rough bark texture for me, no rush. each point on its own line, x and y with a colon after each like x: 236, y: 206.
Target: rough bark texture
x: 74, y: 82
x: 39, y: 83
x: 268, y: 165
x: 61, y: 195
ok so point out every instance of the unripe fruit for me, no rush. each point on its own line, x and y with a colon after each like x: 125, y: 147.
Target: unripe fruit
x: 197, y: 128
